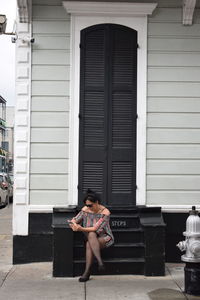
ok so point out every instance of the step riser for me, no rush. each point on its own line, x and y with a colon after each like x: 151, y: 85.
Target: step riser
x: 112, y: 268
x: 128, y: 237
x: 117, y: 222
x: 121, y: 222
x: 120, y: 237
x: 112, y: 252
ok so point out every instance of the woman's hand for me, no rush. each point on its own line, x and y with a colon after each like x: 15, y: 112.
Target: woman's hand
x: 75, y: 227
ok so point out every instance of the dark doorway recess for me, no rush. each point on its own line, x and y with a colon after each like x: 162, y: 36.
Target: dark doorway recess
x: 108, y: 113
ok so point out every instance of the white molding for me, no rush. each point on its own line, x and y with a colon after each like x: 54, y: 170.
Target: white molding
x: 176, y: 208
x: 165, y: 208
x: 23, y: 10
x: 22, y: 131
x: 43, y: 208
x: 131, y: 15
x: 109, y: 8
x: 188, y: 11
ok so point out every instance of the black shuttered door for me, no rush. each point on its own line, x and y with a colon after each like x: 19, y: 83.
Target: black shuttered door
x: 107, y: 143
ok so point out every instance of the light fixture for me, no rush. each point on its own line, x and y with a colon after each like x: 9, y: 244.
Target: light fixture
x: 24, y: 39
x: 3, y: 22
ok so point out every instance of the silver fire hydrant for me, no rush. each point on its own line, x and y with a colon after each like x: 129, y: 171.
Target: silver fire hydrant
x: 191, y: 246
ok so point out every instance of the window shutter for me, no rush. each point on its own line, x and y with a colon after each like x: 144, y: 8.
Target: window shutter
x: 107, y: 146
x: 123, y: 110
x: 92, y: 160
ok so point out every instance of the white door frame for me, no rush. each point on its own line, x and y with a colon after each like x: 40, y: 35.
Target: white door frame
x: 133, y: 15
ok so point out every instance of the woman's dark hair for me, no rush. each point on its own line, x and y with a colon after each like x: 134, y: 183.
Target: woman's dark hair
x: 91, y: 196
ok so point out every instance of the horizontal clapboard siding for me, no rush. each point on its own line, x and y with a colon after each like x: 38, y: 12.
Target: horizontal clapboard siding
x: 171, y: 167
x: 45, y: 72
x: 49, y: 135
x: 48, y: 182
x: 49, y: 119
x: 50, y: 150
x: 42, y: 27
x: 54, y: 42
x: 171, y: 197
x: 173, y: 118
x: 48, y: 58
x: 173, y: 105
x: 173, y: 182
x: 173, y: 151
x: 54, y: 196
x: 173, y: 136
x: 171, y: 59
x: 50, y: 104
x: 175, y: 74
x: 49, y: 166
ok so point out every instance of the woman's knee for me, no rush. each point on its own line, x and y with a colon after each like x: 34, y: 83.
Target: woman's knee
x: 92, y: 235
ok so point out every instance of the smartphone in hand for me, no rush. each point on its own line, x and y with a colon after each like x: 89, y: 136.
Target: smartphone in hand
x: 70, y: 222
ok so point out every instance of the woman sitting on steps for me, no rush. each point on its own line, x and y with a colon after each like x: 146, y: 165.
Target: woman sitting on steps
x: 95, y: 225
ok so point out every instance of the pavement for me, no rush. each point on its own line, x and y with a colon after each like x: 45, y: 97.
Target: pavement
x: 35, y: 282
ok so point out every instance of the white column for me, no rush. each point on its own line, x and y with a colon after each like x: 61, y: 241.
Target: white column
x: 22, y: 130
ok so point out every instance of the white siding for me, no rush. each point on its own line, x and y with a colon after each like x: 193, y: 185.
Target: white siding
x: 173, y: 105
x: 50, y: 104
x: 173, y: 119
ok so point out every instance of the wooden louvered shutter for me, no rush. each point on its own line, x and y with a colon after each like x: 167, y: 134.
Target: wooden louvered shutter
x: 107, y: 144
x: 122, y: 121
x: 92, y: 160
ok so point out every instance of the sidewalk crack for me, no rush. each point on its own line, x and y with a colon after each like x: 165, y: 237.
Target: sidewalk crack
x: 177, y: 284
x: 9, y: 273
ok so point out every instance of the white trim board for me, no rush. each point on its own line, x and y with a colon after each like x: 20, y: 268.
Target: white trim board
x: 133, y: 15
x: 22, y: 129
x: 176, y: 208
x: 165, y: 208
x: 109, y: 8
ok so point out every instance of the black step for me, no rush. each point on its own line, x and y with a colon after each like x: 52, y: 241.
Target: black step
x: 118, y: 220
x: 113, y: 266
x: 130, y: 235
x: 121, y: 235
x: 122, y: 250
x: 125, y: 210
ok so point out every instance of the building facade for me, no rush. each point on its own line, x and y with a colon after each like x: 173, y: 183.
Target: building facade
x: 9, y: 137
x: 3, y: 146
x: 164, y: 168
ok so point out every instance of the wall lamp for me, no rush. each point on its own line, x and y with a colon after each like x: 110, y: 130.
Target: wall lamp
x: 24, y: 40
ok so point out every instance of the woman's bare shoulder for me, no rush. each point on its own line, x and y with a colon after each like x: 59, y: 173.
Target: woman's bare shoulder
x: 105, y: 211
x: 85, y: 209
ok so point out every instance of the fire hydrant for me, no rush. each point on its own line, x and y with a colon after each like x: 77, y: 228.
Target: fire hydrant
x: 192, y: 255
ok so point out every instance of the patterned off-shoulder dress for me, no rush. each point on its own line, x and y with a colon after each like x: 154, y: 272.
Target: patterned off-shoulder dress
x: 100, y: 222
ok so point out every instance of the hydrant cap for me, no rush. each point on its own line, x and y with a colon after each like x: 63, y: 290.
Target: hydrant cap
x: 193, y: 224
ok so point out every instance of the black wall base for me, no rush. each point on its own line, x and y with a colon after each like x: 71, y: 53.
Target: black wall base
x: 32, y: 248
x: 175, y: 226
x: 37, y: 246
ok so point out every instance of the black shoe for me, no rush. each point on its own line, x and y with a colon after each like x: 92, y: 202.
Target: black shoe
x: 84, y: 278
